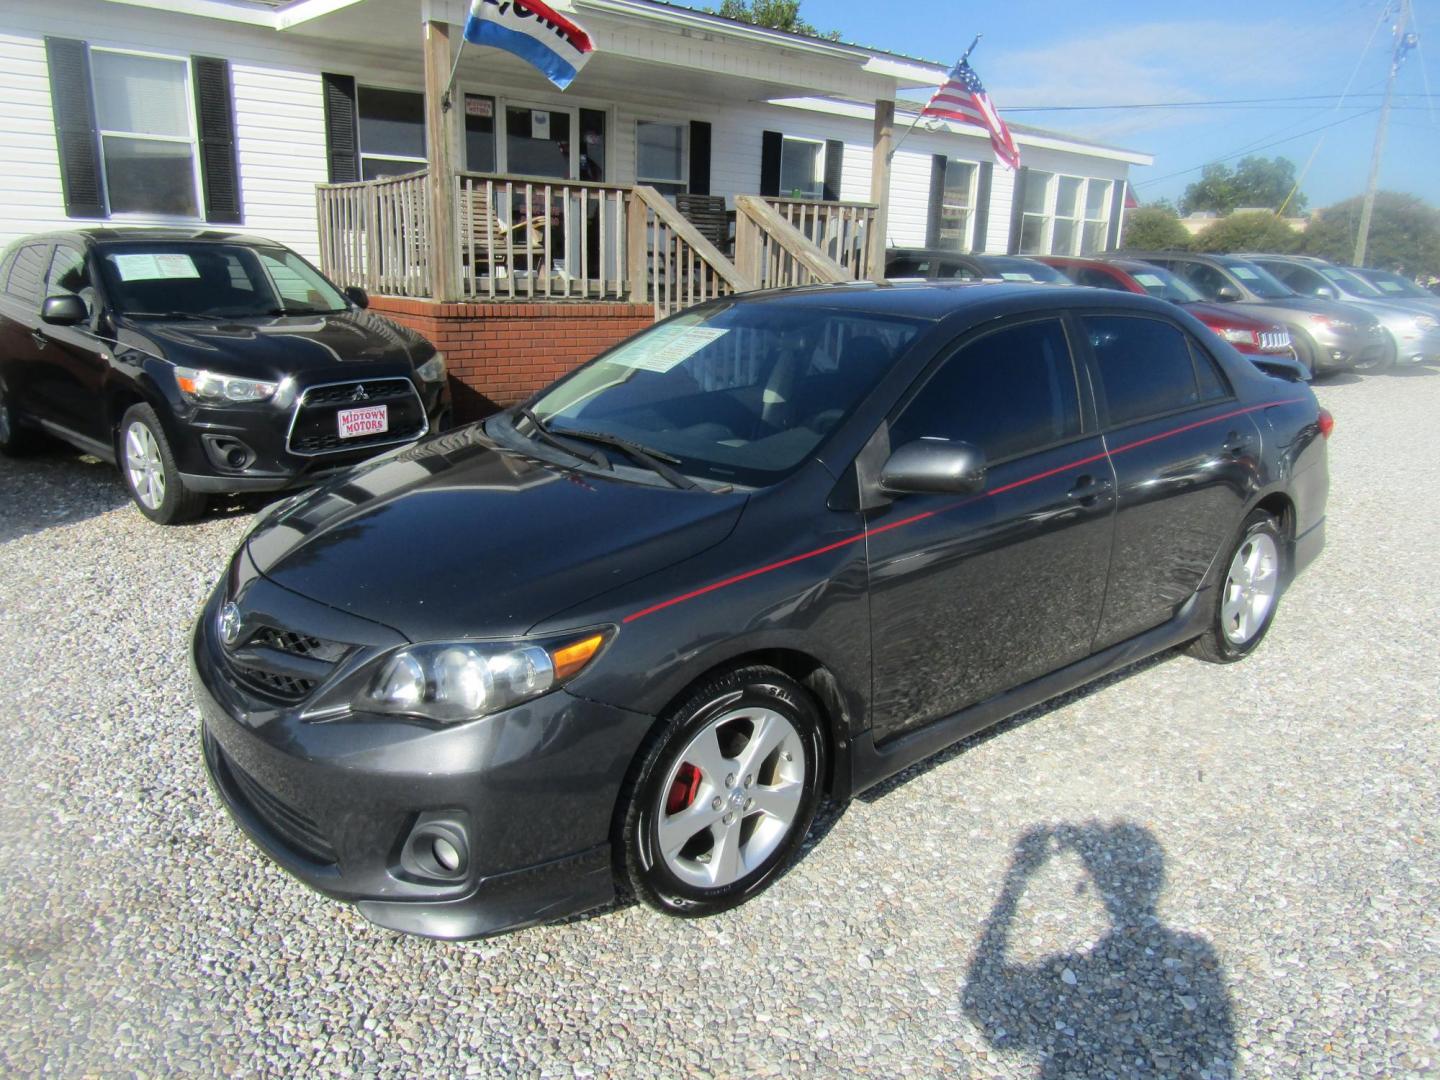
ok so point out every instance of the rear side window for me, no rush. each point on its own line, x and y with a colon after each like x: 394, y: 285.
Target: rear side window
x: 27, y: 274
x: 1148, y: 367
x: 908, y: 267
x: 67, y: 272
x: 1205, y: 278
x: 1009, y: 393
x: 1096, y: 279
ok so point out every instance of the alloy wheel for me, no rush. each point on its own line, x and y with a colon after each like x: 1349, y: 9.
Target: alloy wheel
x: 144, y: 465
x: 1250, y: 588
x: 731, y: 798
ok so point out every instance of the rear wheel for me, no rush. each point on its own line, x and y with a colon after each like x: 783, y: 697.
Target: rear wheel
x: 14, y: 439
x: 1245, y: 601
x: 724, y: 794
x: 151, y: 475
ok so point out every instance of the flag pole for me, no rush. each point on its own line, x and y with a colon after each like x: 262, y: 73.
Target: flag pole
x: 921, y: 114
x: 454, y: 70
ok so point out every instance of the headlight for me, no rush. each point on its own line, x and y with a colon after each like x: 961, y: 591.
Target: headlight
x: 432, y: 370
x: 1425, y: 323
x: 212, y: 388
x: 464, y: 680
x: 1238, y: 336
x: 1328, y: 323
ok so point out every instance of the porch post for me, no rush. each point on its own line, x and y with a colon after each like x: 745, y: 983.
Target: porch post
x: 444, y: 251
x: 880, y: 185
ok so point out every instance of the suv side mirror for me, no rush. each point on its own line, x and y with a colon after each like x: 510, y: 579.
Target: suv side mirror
x: 1326, y: 292
x: 1227, y: 294
x: 934, y: 466
x: 65, y: 310
x: 357, y: 296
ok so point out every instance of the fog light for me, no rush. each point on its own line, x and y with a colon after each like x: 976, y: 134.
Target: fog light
x: 437, y: 849
x: 445, y: 854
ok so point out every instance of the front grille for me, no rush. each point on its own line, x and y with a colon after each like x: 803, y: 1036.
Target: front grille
x: 291, y: 827
x: 288, y: 641
x: 250, y: 670
x: 268, y: 684
x: 315, y: 428
x: 1275, y: 340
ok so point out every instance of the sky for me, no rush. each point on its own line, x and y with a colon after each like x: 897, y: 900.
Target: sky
x: 1121, y: 52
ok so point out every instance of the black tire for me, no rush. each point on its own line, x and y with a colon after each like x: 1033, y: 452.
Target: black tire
x: 1306, y: 351
x: 15, y: 439
x: 1384, y: 362
x: 178, y: 503
x: 1216, y: 645
x: 651, y: 786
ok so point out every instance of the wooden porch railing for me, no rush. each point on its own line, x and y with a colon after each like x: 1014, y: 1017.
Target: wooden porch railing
x: 840, y: 229
x: 375, y: 234
x: 671, y: 261
x: 774, y: 253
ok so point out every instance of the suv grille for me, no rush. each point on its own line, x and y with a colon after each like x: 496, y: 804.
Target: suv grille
x: 1275, y: 340
x: 315, y: 428
x: 291, y: 827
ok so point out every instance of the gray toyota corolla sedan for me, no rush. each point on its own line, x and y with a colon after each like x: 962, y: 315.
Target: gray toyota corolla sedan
x: 777, y: 548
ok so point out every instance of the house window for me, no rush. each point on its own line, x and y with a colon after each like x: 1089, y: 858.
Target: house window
x: 1035, y: 220
x: 392, y: 132
x: 147, y: 134
x: 1097, y: 216
x: 480, y: 133
x: 802, y: 165
x: 538, y: 142
x: 1064, y: 215
x: 957, y: 204
x: 660, y: 157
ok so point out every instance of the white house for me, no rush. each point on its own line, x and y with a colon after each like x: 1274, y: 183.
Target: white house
x: 232, y: 111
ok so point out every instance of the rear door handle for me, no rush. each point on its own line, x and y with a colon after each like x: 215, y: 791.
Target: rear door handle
x: 1087, y: 489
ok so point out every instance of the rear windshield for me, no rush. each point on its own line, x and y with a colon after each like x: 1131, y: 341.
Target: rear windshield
x: 204, y: 280
x: 1259, y: 280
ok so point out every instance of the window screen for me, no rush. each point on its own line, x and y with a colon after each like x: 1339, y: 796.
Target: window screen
x: 1008, y: 393
x: 1145, y: 366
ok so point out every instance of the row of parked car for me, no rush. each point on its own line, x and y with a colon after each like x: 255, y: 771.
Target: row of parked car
x: 1271, y: 307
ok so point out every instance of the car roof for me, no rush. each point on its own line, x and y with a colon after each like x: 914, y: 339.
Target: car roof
x: 149, y: 233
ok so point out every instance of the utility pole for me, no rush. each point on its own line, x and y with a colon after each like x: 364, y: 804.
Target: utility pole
x: 1397, y: 53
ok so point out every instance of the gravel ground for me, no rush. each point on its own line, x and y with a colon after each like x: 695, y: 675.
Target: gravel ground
x: 1184, y: 871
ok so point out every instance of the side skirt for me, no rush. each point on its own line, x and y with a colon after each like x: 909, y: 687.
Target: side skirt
x: 872, y: 763
x: 80, y: 442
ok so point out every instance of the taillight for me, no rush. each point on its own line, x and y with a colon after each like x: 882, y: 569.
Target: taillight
x: 1326, y: 423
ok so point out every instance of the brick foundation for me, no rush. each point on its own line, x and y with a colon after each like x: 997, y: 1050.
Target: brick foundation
x: 502, y: 353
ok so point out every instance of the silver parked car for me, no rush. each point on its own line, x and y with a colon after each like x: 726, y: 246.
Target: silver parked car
x: 1413, y: 328
x: 1329, y: 336
x: 1396, y: 286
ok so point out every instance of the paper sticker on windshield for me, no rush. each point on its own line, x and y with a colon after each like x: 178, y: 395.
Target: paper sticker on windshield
x: 1150, y: 281
x: 1245, y: 272
x: 147, y: 267
x: 1018, y: 276
x: 662, y: 350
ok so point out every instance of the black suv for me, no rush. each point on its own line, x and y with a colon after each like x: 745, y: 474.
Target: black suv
x: 203, y: 362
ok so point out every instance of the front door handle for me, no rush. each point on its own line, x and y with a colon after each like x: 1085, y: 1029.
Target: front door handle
x: 1087, y: 489
x: 39, y: 338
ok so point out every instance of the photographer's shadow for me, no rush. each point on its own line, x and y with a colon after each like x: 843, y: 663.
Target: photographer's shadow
x: 1142, y: 1001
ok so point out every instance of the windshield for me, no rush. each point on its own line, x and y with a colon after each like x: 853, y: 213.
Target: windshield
x: 1162, y: 283
x: 1395, y: 284
x: 1008, y: 269
x: 1351, y: 283
x: 739, y: 394
x: 205, y: 280
x: 1259, y: 281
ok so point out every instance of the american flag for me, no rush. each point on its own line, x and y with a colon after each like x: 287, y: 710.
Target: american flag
x: 963, y: 99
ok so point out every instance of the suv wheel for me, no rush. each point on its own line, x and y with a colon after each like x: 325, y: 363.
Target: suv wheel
x: 14, y: 439
x: 724, y: 794
x: 151, y: 476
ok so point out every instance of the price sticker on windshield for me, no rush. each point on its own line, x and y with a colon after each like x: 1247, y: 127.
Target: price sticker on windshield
x: 1150, y: 281
x: 159, y: 266
x: 661, y: 350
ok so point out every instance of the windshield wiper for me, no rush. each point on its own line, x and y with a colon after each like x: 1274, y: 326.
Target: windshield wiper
x: 171, y: 315
x: 652, y: 459
x: 545, y: 435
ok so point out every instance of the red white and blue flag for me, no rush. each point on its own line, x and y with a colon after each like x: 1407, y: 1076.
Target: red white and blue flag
x: 963, y: 99
x: 533, y: 31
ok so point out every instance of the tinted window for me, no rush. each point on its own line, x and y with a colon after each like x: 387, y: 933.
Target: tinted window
x: 1096, y: 279
x: 1010, y: 392
x: 67, y: 272
x: 1302, y: 279
x: 1259, y: 281
x: 957, y: 271
x: 168, y: 279
x: 1212, y: 383
x: 1206, y: 279
x: 27, y: 274
x: 907, y: 267
x: 1145, y: 366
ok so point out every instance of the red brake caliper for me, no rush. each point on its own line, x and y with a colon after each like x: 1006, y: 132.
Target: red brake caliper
x: 682, y: 791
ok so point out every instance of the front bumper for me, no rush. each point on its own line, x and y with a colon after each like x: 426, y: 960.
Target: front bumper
x: 338, y: 802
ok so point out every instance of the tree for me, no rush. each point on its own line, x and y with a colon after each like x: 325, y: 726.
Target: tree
x: 1404, y: 234
x: 774, y: 14
x: 1255, y: 182
x: 1154, y: 228
x: 1257, y: 230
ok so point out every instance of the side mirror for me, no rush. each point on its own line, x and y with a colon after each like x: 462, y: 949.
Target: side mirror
x: 1326, y: 292
x: 65, y: 310
x: 357, y: 296
x: 1227, y: 294
x: 934, y: 466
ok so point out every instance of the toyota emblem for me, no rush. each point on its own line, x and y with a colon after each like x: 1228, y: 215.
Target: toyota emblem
x: 230, y: 622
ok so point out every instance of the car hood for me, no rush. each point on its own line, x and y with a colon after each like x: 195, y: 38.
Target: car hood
x: 1307, y: 305
x: 275, y: 347
x: 459, y: 537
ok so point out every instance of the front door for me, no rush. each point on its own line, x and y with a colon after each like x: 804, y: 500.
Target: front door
x: 974, y: 594
x: 76, y: 357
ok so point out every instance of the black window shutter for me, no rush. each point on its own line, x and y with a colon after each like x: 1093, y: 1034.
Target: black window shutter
x: 770, y: 163
x: 592, y: 144
x: 834, y: 169
x: 699, y: 157
x: 342, y: 123
x: 937, y: 199
x: 219, y: 163
x: 1117, y: 210
x: 1017, y: 209
x: 73, y: 103
x: 982, y: 207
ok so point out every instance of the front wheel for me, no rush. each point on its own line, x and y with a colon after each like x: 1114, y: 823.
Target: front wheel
x: 151, y: 475
x: 724, y: 793
x: 1245, y: 602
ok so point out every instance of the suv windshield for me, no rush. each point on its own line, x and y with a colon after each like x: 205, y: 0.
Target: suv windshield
x: 1162, y: 283
x: 1391, y: 284
x: 206, y: 280
x: 1351, y: 283
x: 1258, y: 280
x: 740, y: 394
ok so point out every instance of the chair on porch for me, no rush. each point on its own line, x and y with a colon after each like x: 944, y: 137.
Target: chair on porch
x: 709, y: 216
x: 494, y: 241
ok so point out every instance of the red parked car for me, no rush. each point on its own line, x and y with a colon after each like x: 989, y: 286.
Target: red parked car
x: 1250, y: 336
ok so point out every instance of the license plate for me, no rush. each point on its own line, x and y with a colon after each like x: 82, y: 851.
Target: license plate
x: 368, y: 420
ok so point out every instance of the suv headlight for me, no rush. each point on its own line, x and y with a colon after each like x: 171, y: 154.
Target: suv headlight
x: 464, y: 680
x: 212, y: 388
x: 432, y: 370
x: 1237, y: 336
x: 1425, y: 323
x: 1327, y: 322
